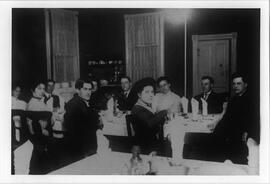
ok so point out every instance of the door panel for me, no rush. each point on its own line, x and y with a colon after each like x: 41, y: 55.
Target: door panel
x: 213, y: 60
x: 220, y: 68
x: 213, y: 55
x: 205, y: 58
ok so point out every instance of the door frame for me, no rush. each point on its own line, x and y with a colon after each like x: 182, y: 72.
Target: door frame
x: 232, y: 37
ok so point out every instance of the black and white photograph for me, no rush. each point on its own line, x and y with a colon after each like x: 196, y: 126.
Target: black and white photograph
x: 154, y: 90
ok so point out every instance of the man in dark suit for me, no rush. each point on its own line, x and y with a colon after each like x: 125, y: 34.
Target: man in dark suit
x: 126, y: 97
x: 81, y: 121
x: 240, y: 122
x: 214, y: 100
x: 51, y: 99
x: 126, y: 100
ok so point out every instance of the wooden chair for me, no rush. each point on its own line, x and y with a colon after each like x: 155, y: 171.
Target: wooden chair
x: 19, y: 131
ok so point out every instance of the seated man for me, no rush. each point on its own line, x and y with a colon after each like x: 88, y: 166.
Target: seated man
x: 214, y: 100
x: 103, y: 82
x: 95, y: 92
x: 126, y: 98
x: 81, y: 121
x: 240, y: 122
x: 56, y: 105
x: 166, y: 99
x: 54, y: 102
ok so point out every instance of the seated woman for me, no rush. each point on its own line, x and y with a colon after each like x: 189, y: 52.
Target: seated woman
x: 17, y: 103
x: 146, y: 123
x: 18, y: 114
x: 39, y: 125
x: 18, y: 120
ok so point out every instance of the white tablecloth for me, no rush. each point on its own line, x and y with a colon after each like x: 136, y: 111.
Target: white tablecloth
x: 182, y: 125
x: 116, y: 126
x: 114, y: 164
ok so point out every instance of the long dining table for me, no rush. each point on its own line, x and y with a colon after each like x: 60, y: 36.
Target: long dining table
x: 116, y: 163
x: 117, y: 125
x: 185, y: 127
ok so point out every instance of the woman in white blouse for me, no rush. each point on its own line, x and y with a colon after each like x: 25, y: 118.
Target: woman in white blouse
x: 18, y: 107
x: 17, y: 103
x: 39, y: 123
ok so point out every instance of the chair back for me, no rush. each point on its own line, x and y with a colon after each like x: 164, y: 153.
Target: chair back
x: 130, y: 126
x: 39, y: 126
x: 19, y: 133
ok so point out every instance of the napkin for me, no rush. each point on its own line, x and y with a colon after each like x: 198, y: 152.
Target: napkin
x: 105, y: 159
x: 72, y: 84
x: 177, y: 134
x: 184, y: 102
x: 110, y: 105
x: 253, y: 156
x: 204, y: 107
x: 195, y: 109
x: 102, y: 143
x: 22, y: 157
x: 177, y: 149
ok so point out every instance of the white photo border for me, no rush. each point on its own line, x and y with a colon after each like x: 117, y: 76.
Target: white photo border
x: 5, y: 97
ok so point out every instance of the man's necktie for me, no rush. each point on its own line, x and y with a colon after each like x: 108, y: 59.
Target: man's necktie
x: 46, y: 99
x: 126, y: 94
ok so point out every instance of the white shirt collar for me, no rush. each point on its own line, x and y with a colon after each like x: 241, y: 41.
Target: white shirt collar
x: 209, y: 92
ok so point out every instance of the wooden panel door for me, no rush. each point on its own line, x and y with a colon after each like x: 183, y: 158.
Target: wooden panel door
x: 213, y: 60
x: 214, y: 55
x: 220, y: 66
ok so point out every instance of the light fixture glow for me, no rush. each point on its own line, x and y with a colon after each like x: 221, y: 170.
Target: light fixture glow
x: 177, y: 16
